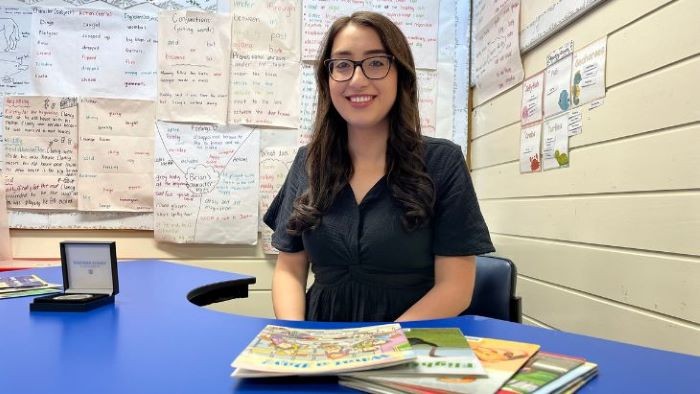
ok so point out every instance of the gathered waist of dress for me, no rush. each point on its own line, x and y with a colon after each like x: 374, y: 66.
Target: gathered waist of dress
x: 332, y: 276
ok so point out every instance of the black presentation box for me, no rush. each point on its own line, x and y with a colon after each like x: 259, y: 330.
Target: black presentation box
x: 90, y: 278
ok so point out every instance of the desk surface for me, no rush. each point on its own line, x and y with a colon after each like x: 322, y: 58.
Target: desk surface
x: 152, y: 340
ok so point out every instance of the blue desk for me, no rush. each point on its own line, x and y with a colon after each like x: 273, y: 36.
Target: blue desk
x: 154, y: 341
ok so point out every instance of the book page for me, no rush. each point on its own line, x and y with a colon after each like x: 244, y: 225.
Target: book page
x: 206, y: 184
x: 40, y: 137
x: 193, y: 59
x: 116, y: 155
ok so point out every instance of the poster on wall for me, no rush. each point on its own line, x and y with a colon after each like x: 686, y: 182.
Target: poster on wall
x: 496, y: 64
x: 531, y: 107
x: 530, y: 157
x: 115, y: 158
x: 275, y: 163
x: 555, y: 142
x: 557, y: 96
x: 206, y: 183
x: 5, y: 245
x: 588, y: 73
x: 193, y: 66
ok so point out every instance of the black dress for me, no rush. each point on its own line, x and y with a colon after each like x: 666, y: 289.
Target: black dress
x: 366, y: 266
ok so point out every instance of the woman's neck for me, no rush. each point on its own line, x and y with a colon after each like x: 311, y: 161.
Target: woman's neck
x: 367, y: 147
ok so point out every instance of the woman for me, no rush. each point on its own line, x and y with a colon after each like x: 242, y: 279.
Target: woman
x: 386, y: 219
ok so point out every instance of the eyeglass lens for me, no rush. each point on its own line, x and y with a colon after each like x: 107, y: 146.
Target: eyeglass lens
x: 375, y: 67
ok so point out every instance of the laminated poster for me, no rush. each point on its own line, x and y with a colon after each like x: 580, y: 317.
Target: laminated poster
x: 555, y: 142
x: 531, y: 108
x: 530, y: 157
x: 588, y: 73
x: 557, y: 95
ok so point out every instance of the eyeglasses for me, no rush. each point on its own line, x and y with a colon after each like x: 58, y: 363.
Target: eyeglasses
x: 374, y: 67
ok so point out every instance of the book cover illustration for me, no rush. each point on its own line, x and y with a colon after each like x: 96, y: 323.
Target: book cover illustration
x: 501, y: 359
x: 542, y: 369
x: 439, y: 351
x: 14, y: 283
x: 284, y: 350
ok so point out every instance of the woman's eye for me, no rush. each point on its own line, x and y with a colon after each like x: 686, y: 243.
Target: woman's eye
x: 342, y: 65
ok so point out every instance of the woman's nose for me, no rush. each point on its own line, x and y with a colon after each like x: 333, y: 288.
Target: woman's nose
x: 358, y: 76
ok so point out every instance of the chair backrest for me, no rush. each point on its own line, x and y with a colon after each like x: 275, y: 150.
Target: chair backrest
x: 494, y: 290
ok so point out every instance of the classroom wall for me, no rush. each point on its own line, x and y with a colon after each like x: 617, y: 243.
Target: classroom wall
x: 609, y: 247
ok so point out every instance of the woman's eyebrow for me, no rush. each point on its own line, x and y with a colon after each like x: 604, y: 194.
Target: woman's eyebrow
x: 369, y: 52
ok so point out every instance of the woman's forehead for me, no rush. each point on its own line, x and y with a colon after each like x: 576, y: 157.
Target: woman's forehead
x: 358, y: 41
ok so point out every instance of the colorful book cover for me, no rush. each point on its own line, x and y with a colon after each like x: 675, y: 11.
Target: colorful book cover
x: 439, y: 351
x: 16, y: 283
x: 542, y: 369
x: 571, y: 381
x: 501, y: 359
x: 283, y: 350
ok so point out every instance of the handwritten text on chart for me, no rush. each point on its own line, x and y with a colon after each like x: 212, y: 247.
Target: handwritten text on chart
x: 264, y: 93
x: 112, y: 53
x: 275, y: 163
x: 268, y: 29
x: 418, y: 21
x: 40, y: 138
x: 116, y: 155
x: 206, y: 183
x: 193, y: 56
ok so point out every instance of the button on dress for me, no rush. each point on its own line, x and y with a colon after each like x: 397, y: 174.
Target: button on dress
x: 366, y: 266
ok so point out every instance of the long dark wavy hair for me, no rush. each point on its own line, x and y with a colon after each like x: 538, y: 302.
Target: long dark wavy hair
x: 328, y: 163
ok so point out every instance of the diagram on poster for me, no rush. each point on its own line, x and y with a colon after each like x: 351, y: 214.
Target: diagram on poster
x: 206, y: 183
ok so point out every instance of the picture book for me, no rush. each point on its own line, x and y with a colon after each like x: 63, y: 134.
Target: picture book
x: 501, y: 359
x: 439, y: 351
x: 278, y: 351
x: 572, y: 380
x: 15, y: 283
x: 541, y: 370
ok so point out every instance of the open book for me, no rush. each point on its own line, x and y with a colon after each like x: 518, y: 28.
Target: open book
x: 280, y: 351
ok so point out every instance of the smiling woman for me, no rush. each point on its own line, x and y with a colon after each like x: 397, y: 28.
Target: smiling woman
x: 386, y: 219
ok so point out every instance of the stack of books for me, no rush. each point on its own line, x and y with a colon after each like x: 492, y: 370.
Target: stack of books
x: 25, y: 285
x: 388, y: 359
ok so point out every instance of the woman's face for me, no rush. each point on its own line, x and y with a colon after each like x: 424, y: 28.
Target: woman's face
x: 363, y: 103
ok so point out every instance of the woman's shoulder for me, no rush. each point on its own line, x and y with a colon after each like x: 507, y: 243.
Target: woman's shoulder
x: 440, y: 152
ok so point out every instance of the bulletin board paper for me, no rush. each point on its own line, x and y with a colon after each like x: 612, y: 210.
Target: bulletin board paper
x: 206, y: 184
x: 275, y: 163
x: 193, y: 58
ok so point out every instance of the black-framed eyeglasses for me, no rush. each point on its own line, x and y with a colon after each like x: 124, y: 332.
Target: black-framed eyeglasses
x: 374, y: 67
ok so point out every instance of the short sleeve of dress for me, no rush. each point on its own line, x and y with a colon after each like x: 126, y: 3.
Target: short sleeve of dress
x: 278, y: 213
x: 459, y: 228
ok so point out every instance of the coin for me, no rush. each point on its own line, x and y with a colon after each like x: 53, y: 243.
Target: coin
x: 72, y: 297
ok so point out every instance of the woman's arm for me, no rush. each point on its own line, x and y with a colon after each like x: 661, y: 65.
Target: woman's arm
x: 452, y: 292
x: 289, y: 285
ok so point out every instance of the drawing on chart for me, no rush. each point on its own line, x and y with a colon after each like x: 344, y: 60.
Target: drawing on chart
x: 10, y: 31
x: 206, y: 184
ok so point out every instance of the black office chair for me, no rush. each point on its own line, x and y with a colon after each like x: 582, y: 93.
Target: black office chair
x: 494, y: 290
